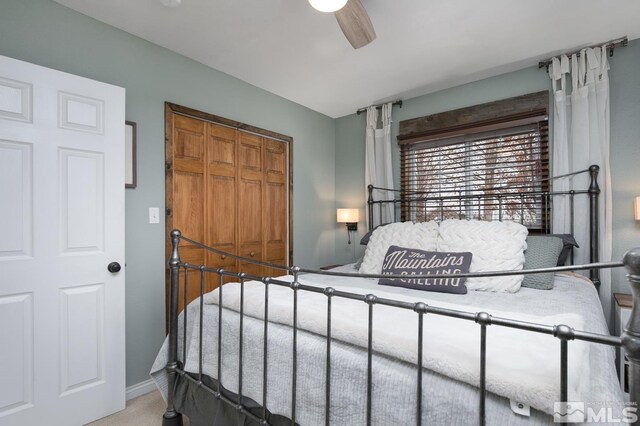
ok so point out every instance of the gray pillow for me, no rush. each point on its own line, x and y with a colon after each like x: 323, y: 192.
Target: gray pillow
x: 569, y: 242
x: 541, y: 252
x: 365, y: 240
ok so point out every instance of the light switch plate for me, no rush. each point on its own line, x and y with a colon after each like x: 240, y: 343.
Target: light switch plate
x: 154, y: 215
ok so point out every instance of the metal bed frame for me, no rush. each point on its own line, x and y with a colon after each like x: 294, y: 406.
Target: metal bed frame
x: 427, y: 202
x: 630, y: 339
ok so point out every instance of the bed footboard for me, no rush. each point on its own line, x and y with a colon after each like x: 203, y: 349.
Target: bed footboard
x: 631, y: 333
x: 630, y: 339
x: 171, y: 417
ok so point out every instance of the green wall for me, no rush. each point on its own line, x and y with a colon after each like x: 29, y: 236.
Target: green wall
x: 45, y: 33
x: 625, y: 143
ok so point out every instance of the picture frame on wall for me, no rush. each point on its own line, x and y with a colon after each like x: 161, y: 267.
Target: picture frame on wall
x: 130, y: 155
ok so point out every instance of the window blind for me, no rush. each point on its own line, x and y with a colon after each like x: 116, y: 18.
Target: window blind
x: 479, y: 174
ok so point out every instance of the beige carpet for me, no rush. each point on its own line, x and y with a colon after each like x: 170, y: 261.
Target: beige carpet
x: 145, y: 410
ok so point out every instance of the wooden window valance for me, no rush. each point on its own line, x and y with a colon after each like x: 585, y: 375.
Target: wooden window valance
x: 478, y: 118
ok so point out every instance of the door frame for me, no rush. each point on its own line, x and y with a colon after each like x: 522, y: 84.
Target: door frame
x: 171, y: 109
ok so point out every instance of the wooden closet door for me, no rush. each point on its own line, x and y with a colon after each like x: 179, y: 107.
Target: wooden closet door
x: 275, y: 205
x: 250, y: 201
x: 228, y: 189
x: 221, y: 202
x: 187, y: 203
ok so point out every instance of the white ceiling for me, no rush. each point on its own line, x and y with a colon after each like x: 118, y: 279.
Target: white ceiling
x: 294, y: 51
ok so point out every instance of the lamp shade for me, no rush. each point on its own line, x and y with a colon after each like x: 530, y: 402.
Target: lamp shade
x: 636, y: 208
x: 327, y: 5
x: 348, y: 215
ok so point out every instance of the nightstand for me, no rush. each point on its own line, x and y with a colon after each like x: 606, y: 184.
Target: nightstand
x: 623, y: 312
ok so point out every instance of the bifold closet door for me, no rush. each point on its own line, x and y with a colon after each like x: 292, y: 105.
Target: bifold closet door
x: 187, y: 204
x: 226, y: 188
x: 250, y: 201
x: 275, y: 205
x: 221, y: 198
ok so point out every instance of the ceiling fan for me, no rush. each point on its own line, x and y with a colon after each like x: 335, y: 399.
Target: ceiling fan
x: 352, y: 18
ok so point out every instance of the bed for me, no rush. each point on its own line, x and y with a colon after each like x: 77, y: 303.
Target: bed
x: 404, y: 356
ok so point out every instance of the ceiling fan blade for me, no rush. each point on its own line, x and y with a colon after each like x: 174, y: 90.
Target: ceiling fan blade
x: 355, y: 24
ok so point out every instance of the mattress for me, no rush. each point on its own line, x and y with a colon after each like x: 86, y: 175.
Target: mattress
x: 446, y: 399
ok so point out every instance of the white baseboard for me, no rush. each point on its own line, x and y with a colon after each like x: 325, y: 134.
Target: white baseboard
x: 140, y: 389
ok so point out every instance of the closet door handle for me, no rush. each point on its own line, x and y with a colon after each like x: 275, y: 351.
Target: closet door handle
x: 223, y: 257
x: 253, y: 253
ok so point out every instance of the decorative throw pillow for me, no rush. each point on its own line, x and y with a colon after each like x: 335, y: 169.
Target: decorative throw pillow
x: 541, y: 252
x: 422, y: 236
x: 411, y: 262
x: 496, y: 246
x: 567, y: 243
x: 365, y: 240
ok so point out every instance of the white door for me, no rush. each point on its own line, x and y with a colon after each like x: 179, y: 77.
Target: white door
x: 62, y: 334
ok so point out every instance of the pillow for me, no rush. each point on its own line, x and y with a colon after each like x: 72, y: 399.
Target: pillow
x: 568, y: 241
x: 365, y: 240
x: 358, y: 263
x: 409, y: 261
x: 496, y: 246
x: 542, y: 252
x: 404, y: 234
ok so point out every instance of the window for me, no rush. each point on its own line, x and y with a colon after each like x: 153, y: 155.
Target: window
x: 494, y: 169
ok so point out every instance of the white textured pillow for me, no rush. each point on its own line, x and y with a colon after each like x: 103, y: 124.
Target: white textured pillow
x: 496, y: 246
x: 423, y: 236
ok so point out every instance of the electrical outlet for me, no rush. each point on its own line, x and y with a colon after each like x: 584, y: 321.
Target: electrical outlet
x: 154, y: 215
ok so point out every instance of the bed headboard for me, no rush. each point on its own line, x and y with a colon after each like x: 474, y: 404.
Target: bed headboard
x: 499, y: 204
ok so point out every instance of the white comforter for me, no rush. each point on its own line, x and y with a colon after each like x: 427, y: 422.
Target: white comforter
x: 522, y: 366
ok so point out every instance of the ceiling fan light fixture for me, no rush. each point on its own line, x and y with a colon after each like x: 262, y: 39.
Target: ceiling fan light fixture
x: 327, y: 5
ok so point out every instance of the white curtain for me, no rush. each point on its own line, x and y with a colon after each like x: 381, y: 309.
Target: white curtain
x: 580, y: 139
x: 378, y: 166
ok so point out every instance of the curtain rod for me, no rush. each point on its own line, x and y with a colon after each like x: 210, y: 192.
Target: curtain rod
x: 398, y: 102
x: 611, y: 45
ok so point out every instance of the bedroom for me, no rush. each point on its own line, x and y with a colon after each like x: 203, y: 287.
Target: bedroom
x: 329, y: 155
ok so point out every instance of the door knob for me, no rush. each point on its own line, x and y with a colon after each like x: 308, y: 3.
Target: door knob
x: 114, y: 267
x: 253, y: 253
x: 223, y: 257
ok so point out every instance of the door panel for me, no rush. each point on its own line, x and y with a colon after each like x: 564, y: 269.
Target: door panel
x: 250, y: 153
x: 221, y: 198
x: 250, y: 212
x: 189, y: 139
x: 82, y: 337
x: 275, y: 202
x: 81, y: 201
x: 250, y: 202
x: 15, y: 100
x: 62, y: 168
x: 188, y: 204
x: 17, y: 194
x: 16, y: 392
x: 221, y: 149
